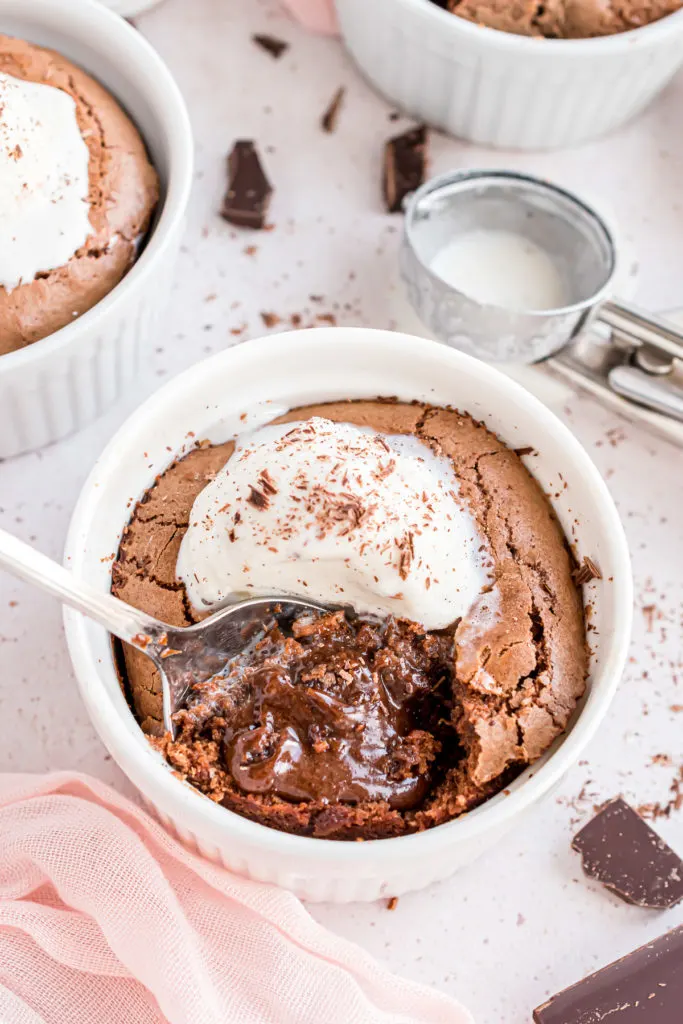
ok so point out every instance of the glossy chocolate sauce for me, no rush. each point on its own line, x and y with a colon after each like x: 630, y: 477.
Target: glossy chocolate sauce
x: 333, y: 711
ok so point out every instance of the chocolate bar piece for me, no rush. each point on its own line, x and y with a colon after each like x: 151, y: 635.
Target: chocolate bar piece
x: 248, y: 197
x: 621, y: 851
x: 271, y: 44
x: 405, y: 163
x: 645, y: 987
x: 328, y: 122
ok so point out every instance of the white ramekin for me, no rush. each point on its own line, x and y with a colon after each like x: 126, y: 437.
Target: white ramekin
x: 56, y: 386
x: 130, y: 8
x: 504, y: 90
x: 265, y: 378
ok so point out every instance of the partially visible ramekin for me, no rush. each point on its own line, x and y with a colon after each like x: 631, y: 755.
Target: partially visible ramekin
x: 264, y: 378
x: 56, y: 386
x: 505, y: 90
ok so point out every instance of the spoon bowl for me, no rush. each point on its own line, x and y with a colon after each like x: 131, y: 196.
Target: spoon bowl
x: 195, y: 654
x: 182, y: 655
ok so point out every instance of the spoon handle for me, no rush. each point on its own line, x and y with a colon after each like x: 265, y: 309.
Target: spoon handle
x: 119, y: 618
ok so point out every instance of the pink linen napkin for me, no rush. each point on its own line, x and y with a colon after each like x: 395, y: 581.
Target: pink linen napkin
x: 105, y: 919
x: 315, y: 15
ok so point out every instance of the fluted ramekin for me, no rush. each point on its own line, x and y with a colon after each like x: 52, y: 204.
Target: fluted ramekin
x: 505, y: 90
x: 264, y: 378
x: 57, y: 385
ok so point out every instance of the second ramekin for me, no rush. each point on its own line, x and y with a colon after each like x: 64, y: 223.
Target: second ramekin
x: 56, y: 386
x: 504, y: 90
x: 264, y: 378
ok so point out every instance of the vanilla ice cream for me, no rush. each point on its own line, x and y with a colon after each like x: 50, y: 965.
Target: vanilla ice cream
x: 44, y: 181
x: 338, y: 514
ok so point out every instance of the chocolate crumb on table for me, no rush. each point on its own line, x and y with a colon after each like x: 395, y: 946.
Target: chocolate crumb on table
x: 328, y: 121
x: 653, y: 811
x: 649, y: 613
x: 249, y: 192
x: 271, y: 44
x: 392, y: 903
x: 619, y: 850
x: 644, y: 987
x: 405, y: 164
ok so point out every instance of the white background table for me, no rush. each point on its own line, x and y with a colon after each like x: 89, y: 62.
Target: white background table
x: 522, y: 922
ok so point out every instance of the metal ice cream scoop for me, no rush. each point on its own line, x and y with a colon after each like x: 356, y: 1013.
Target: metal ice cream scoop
x: 182, y: 655
x: 628, y: 351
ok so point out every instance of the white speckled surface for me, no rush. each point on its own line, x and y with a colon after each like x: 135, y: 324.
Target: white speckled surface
x: 508, y: 931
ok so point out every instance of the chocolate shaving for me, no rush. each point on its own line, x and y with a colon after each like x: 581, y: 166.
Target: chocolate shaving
x: 267, y: 483
x: 619, y: 850
x: 527, y: 450
x: 249, y: 191
x: 257, y: 498
x: 328, y: 122
x: 407, y: 553
x: 586, y: 572
x: 271, y: 44
x: 344, y: 510
x: 405, y: 163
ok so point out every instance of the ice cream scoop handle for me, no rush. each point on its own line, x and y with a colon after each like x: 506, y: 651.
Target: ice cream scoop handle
x: 655, y: 393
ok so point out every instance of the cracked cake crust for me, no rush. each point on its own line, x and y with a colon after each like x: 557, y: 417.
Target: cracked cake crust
x: 123, y: 193
x: 563, y: 19
x: 519, y: 658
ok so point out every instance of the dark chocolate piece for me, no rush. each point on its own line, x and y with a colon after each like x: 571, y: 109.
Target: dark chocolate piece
x: 645, y: 987
x: 271, y: 44
x: 248, y: 197
x: 621, y: 851
x: 405, y: 163
x: 328, y: 122
x: 586, y: 572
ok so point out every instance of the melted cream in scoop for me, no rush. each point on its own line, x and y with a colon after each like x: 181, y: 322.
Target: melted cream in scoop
x: 43, y: 180
x: 339, y: 514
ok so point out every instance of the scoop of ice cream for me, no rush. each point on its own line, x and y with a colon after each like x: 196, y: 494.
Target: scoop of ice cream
x: 43, y: 180
x: 338, y: 514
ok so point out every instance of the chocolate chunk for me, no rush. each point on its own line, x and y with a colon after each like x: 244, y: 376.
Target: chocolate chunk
x: 622, y: 852
x: 275, y: 47
x: 586, y: 572
x: 645, y: 987
x: 248, y: 197
x: 328, y: 121
x: 405, y: 162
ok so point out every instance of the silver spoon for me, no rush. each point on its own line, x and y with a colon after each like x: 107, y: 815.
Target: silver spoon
x: 183, y: 655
